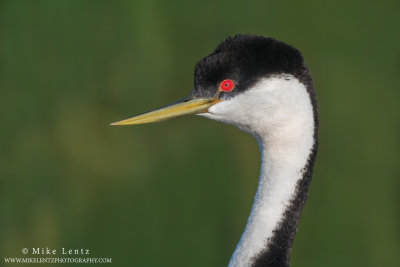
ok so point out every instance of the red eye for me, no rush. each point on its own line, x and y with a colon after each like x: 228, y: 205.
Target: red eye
x: 227, y: 85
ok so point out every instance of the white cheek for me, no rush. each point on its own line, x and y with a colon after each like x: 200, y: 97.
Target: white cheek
x: 225, y: 112
x: 221, y: 111
x: 223, y: 108
x: 271, y: 103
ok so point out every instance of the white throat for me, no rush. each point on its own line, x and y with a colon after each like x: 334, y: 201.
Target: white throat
x: 279, y: 113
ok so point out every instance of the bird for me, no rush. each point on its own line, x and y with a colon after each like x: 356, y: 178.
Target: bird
x: 263, y: 87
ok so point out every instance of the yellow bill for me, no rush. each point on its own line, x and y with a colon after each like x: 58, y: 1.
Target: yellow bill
x: 183, y: 107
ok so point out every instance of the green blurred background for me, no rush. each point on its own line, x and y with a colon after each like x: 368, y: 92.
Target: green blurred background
x: 178, y: 193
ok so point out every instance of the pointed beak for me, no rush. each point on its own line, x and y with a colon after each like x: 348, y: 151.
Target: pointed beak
x: 186, y: 106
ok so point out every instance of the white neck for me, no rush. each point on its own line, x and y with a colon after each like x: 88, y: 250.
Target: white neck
x: 281, y: 169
